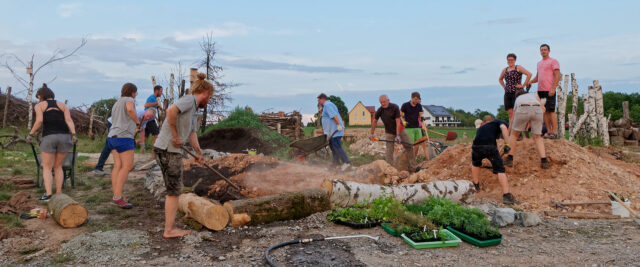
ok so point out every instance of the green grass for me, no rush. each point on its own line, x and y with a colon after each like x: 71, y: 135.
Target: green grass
x: 61, y: 259
x: 308, y: 131
x: 10, y: 221
x: 5, y: 196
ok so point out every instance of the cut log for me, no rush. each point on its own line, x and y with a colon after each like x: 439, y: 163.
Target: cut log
x: 625, y: 110
x: 630, y: 142
x: 622, y: 123
x: 627, y: 133
x: 613, y: 132
x: 603, y: 123
x: 580, y: 215
x: 562, y: 105
x: 577, y: 126
x: 636, y: 134
x: 278, y: 207
x: 617, y: 141
x: 205, y: 211
x: 67, y: 212
x: 345, y: 193
x: 573, y: 119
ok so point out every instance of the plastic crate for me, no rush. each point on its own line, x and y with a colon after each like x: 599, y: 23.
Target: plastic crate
x: 452, y: 241
x: 387, y: 228
x: 473, y: 241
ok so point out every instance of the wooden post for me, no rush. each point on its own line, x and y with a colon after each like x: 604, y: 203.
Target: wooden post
x: 171, y: 89
x: 6, y: 107
x: 593, y: 120
x: 182, y: 88
x: 562, y: 107
x: 192, y: 76
x: 574, y: 102
x: 603, y: 123
x: 30, y: 94
x: 91, y: 123
x: 625, y: 110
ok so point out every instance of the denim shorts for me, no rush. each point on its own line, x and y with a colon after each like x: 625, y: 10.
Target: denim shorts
x: 120, y: 144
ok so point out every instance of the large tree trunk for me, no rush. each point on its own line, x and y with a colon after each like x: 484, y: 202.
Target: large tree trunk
x: 593, y: 120
x: 66, y: 211
x: 625, y: 110
x: 603, y: 122
x: 573, y: 119
x: 345, y: 193
x: 30, y: 95
x: 205, y: 211
x: 278, y: 207
x: 577, y: 127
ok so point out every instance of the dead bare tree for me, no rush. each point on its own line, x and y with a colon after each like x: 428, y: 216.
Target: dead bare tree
x: 214, y: 74
x: 57, y: 55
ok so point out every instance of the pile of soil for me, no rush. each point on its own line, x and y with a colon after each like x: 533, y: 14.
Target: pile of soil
x: 236, y: 140
x: 20, y: 201
x: 576, y: 174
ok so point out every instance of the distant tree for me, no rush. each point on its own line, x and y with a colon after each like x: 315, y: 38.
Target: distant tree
x: 502, y: 114
x: 342, y: 108
x: 103, y: 107
x: 214, y: 74
x: 481, y: 113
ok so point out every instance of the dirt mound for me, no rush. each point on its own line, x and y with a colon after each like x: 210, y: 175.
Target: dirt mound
x: 576, y: 174
x: 20, y: 201
x: 236, y: 140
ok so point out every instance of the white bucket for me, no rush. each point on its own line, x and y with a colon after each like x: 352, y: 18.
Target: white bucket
x: 618, y: 209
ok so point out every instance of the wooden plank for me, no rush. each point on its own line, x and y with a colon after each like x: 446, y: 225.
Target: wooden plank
x: 580, y: 215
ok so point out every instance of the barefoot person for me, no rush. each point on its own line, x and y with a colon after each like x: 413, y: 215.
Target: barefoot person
x: 511, y: 81
x: 390, y: 115
x: 179, y: 126
x: 485, y: 147
x: 548, y: 77
x: 124, y: 124
x: 58, y: 137
x: 528, y: 110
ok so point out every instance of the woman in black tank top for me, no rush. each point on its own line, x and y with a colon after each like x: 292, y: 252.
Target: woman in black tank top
x: 58, y: 137
x: 511, y: 81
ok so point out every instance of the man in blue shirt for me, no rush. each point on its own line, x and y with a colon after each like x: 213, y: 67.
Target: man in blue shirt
x: 152, y: 102
x: 332, y: 124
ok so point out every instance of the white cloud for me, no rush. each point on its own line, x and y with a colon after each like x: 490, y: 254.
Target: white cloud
x: 226, y: 30
x: 68, y: 9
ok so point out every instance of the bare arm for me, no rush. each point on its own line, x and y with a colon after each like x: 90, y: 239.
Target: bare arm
x: 335, y: 118
x: 398, y: 124
x: 501, y: 79
x: 38, y: 122
x: 556, y: 79
x: 193, y: 141
x: 151, y: 104
x: 67, y: 117
x: 526, y: 73
x: 534, y: 80
x: 505, y: 133
x: 131, y: 111
x: 172, y: 119
x: 373, y: 124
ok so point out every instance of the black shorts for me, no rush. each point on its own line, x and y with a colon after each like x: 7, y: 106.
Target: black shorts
x: 152, y: 128
x: 480, y: 152
x: 550, y: 106
x: 509, y: 100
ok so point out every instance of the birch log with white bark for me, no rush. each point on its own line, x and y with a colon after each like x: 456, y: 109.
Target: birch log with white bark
x: 346, y: 193
x: 593, y: 120
x: 577, y: 127
x: 30, y: 94
x: 171, y: 80
x: 574, y: 102
x: 562, y: 107
x: 625, y: 110
x: 603, y: 123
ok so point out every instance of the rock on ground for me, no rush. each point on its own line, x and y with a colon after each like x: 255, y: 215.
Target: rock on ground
x: 503, y: 216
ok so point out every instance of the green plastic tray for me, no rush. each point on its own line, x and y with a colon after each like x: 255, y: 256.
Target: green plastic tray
x: 452, y: 241
x: 387, y: 228
x: 473, y: 241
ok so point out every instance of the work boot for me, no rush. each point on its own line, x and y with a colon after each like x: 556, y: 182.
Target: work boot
x: 508, y: 199
x: 544, y: 163
x: 508, y: 161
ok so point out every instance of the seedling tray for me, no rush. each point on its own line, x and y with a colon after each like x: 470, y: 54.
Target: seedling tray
x: 473, y: 241
x: 387, y: 228
x: 452, y: 241
x: 356, y: 225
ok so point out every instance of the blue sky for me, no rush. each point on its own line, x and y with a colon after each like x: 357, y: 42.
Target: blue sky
x: 283, y: 53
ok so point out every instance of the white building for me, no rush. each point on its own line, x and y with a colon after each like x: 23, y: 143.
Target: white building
x: 438, y: 116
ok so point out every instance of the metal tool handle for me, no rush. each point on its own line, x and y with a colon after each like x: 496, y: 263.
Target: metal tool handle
x: 213, y: 170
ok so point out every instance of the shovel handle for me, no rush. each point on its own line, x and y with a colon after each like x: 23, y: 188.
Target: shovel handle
x: 623, y: 204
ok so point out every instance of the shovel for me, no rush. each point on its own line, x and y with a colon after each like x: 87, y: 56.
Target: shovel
x: 212, y: 170
x: 389, y: 141
x: 450, y: 136
x: 625, y: 206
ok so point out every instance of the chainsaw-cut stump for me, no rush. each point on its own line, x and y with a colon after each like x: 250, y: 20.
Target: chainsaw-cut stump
x: 205, y: 211
x: 67, y: 212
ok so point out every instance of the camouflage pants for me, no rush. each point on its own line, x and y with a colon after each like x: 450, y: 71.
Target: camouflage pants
x: 171, y: 166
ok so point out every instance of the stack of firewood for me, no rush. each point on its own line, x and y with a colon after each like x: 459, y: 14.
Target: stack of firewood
x: 623, y: 133
x: 17, y: 115
x: 289, y: 124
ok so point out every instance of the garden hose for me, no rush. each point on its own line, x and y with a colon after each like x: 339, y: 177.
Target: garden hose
x: 309, y: 240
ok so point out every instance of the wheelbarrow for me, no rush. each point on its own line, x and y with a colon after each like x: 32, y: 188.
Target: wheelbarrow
x: 68, y: 167
x: 304, y: 147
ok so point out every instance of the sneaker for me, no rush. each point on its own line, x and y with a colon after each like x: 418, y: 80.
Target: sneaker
x: 121, y: 203
x: 45, y: 197
x: 98, y: 172
x: 508, y: 199
x: 520, y: 137
x: 508, y: 161
x: 477, y: 186
x: 544, y: 164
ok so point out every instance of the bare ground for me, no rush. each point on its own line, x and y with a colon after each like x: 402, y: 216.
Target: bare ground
x: 556, y: 241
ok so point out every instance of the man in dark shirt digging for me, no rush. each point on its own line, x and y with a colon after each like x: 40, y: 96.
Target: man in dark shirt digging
x: 485, y: 146
x: 390, y: 114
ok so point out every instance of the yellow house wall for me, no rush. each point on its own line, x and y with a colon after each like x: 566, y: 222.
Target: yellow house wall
x: 356, y: 118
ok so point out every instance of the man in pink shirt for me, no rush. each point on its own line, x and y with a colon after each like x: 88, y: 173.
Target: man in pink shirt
x: 548, y: 77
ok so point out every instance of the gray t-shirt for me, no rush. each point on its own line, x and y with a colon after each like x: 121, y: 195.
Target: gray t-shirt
x: 122, y: 126
x: 185, y: 124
